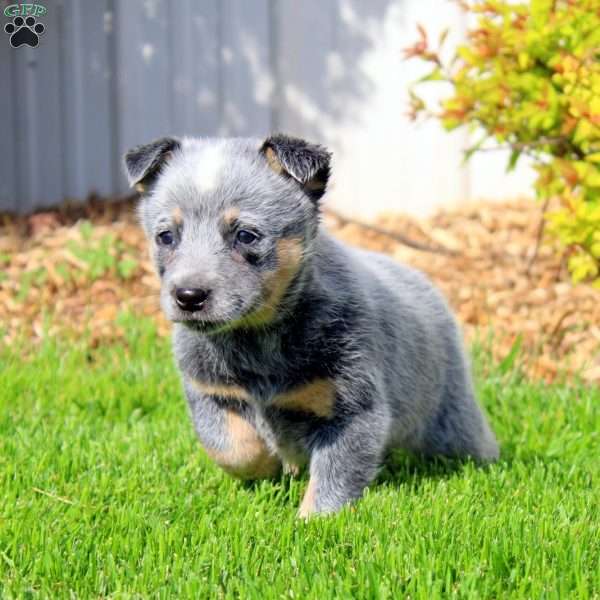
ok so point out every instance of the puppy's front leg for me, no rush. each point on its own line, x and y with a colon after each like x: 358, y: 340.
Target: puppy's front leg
x: 344, y: 460
x: 224, y: 424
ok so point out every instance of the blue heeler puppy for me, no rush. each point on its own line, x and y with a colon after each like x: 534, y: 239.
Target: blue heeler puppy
x: 293, y: 347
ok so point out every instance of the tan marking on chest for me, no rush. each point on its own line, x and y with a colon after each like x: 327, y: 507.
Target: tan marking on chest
x: 316, y: 397
x: 246, y: 456
x: 307, y: 507
x: 222, y: 390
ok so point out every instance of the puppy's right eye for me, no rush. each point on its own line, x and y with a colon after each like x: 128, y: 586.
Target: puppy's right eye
x: 246, y: 237
x: 165, y: 238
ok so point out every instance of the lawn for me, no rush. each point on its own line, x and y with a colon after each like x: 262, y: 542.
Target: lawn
x: 106, y: 493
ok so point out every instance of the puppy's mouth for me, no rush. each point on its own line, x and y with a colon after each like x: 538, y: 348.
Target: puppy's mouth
x: 207, y: 321
x: 203, y: 326
x: 208, y: 325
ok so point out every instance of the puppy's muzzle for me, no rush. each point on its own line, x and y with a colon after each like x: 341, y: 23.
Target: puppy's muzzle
x: 191, y: 299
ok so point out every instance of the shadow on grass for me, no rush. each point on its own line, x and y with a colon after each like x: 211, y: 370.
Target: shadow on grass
x: 284, y: 481
x: 400, y: 468
x: 404, y: 469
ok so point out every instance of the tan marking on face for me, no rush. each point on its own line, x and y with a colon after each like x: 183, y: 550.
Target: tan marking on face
x: 307, y: 507
x: 177, y: 216
x: 140, y: 188
x: 247, y: 455
x: 316, y: 397
x: 222, y: 390
x: 289, y: 256
x: 273, y: 161
x: 231, y: 215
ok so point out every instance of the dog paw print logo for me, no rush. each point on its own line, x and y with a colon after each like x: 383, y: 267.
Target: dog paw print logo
x: 24, y: 31
x: 25, y: 28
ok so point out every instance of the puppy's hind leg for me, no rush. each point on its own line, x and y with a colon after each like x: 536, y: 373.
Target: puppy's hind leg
x: 459, y: 428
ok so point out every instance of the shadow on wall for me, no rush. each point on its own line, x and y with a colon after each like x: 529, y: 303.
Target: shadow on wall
x: 113, y: 73
x: 319, y: 74
x: 245, y: 68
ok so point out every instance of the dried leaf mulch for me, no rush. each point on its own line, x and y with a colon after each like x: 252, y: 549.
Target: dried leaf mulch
x: 78, y: 268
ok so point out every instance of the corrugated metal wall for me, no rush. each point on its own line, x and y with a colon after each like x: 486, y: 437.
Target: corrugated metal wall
x: 109, y: 74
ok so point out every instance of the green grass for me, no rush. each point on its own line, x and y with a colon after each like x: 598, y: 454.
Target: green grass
x: 106, y: 493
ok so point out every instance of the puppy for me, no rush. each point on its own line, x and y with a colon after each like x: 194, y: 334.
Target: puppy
x: 294, y: 348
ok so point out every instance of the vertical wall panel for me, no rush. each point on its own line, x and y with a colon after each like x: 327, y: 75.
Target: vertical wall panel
x: 37, y: 118
x: 143, y: 78
x: 301, y: 66
x: 45, y: 106
x: 86, y: 90
x: 8, y: 164
x: 247, y: 79
x: 24, y: 120
x: 195, y: 63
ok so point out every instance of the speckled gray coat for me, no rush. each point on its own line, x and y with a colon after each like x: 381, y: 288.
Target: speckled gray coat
x: 293, y: 347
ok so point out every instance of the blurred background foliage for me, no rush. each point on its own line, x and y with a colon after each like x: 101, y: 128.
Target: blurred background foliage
x: 528, y: 79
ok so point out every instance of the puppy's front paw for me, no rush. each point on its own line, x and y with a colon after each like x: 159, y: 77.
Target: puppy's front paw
x: 291, y: 469
x: 307, y: 507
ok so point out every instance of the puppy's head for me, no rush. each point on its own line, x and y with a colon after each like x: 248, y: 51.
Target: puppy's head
x: 230, y: 222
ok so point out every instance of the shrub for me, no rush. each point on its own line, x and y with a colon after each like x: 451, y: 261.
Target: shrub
x: 528, y: 79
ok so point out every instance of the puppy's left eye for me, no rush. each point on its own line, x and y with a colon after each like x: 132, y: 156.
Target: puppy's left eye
x: 165, y: 238
x: 246, y: 237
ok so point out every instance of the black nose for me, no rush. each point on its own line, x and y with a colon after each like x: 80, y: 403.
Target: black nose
x: 190, y: 299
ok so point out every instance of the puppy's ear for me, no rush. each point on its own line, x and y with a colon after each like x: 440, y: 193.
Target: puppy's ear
x: 307, y: 163
x: 143, y: 163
